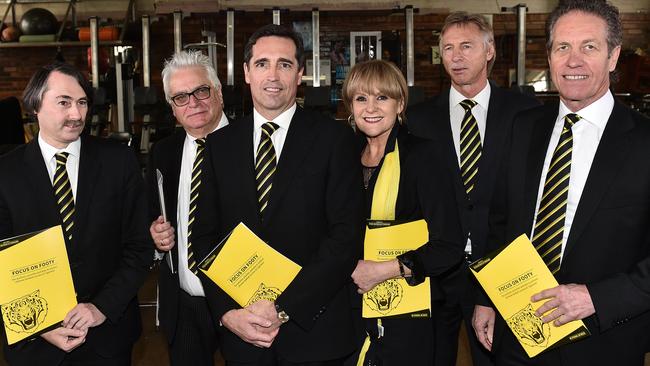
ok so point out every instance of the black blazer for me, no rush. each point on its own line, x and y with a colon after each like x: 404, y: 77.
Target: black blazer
x: 110, y: 252
x: 314, y: 217
x: 425, y: 191
x: 609, y: 244
x: 430, y: 119
x: 167, y: 155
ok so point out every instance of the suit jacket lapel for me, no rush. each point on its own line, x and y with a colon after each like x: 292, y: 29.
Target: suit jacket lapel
x: 494, y: 130
x: 171, y: 177
x: 40, y: 180
x: 89, y: 168
x: 296, y: 147
x: 612, y: 150
x: 244, y: 163
x: 539, y: 141
x: 444, y: 136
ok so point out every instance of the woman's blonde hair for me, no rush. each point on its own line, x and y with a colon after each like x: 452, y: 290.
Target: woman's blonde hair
x: 375, y: 76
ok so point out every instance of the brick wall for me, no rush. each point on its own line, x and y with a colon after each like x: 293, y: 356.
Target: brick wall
x: 17, y: 64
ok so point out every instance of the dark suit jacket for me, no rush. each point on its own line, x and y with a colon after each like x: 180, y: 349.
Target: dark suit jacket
x: 167, y: 155
x: 430, y: 119
x: 609, y: 243
x: 314, y: 217
x: 110, y: 252
x: 425, y: 192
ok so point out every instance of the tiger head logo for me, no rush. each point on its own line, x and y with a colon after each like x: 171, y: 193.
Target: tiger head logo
x: 385, y: 297
x: 25, y: 314
x: 264, y: 293
x: 529, y: 328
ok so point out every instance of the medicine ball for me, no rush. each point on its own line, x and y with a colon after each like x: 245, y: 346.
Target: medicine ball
x: 38, y: 21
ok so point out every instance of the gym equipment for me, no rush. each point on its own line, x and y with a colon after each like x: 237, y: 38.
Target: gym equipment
x: 10, y: 34
x: 37, y: 21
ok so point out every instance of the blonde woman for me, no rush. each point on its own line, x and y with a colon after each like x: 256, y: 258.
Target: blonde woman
x: 414, y: 185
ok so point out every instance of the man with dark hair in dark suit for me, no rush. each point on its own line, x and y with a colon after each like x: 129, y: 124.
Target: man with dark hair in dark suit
x: 103, y: 211
x: 293, y: 177
x: 577, y: 180
x: 193, y: 91
x: 470, y: 121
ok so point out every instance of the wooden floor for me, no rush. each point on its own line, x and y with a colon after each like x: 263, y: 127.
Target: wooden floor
x: 151, y: 348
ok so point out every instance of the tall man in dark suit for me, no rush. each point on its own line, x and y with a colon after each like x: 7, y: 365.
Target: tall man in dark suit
x: 193, y: 90
x: 470, y: 121
x: 104, y: 220
x: 293, y: 177
x: 577, y: 180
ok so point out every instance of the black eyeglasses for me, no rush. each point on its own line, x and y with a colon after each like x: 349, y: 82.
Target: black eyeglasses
x: 200, y: 93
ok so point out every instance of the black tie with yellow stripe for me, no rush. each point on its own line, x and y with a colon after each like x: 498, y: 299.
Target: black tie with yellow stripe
x: 470, y: 147
x: 63, y: 194
x: 265, y: 163
x: 549, y: 224
x: 194, y: 197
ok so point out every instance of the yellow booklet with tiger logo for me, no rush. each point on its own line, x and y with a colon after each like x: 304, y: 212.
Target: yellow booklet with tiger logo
x: 510, y: 277
x: 36, y: 288
x: 248, y: 269
x: 384, y: 241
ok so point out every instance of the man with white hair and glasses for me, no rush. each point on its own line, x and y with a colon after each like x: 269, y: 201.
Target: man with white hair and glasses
x: 193, y: 91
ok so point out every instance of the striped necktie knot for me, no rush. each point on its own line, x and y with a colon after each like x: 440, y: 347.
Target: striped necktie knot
x: 570, y: 120
x: 468, y: 104
x: 269, y: 128
x: 200, y: 143
x: 61, y: 158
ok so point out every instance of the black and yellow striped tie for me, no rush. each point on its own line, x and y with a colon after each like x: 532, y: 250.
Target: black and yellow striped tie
x: 194, y: 197
x: 470, y: 146
x: 549, y: 224
x: 265, y: 163
x: 63, y: 194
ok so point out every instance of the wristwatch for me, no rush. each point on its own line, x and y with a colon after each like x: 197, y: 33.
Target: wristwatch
x: 283, y: 317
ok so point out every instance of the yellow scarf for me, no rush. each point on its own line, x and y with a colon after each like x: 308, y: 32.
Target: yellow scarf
x: 384, y: 197
x: 384, y: 200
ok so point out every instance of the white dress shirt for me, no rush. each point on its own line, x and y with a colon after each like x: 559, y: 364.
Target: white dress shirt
x: 189, y: 282
x: 586, y: 137
x: 72, y: 164
x: 456, y: 115
x: 279, y: 136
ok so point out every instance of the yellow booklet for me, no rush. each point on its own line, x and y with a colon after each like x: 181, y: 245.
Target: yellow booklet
x: 384, y: 241
x: 248, y: 269
x: 36, y: 288
x: 510, y: 277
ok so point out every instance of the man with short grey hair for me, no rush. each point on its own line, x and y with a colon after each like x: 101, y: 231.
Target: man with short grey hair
x: 578, y: 182
x: 193, y: 91
x: 470, y: 120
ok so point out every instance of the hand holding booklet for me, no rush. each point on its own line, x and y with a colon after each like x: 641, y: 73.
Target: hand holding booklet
x: 385, y: 240
x: 510, y: 277
x: 36, y: 288
x: 248, y: 269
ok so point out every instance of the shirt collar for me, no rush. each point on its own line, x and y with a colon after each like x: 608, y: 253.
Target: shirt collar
x: 283, y: 120
x: 48, y: 151
x: 482, y: 98
x: 596, y: 113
